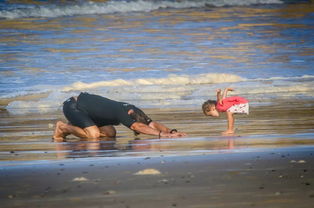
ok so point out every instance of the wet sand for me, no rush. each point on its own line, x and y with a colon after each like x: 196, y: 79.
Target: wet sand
x: 283, y: 124
x: 269, y: 163
x: 282, y: 177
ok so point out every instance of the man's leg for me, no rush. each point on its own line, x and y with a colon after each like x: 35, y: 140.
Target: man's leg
x: 63, y: 129
x: 107, y: 131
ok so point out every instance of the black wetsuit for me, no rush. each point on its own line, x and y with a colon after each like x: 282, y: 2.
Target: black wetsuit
x: 89, y: 110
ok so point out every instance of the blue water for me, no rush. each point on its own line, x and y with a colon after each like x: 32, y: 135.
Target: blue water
x: 155, y: 53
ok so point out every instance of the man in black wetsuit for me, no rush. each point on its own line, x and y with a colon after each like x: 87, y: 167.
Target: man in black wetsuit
x: 94, y: 116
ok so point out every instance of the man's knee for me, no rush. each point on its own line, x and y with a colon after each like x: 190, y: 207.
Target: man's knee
x: 108, y: 131
x: 92, y: 132
x: 111, y: 133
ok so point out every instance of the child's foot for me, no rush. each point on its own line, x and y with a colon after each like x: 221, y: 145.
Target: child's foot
x: 228, y: 133
x: 58, y: 135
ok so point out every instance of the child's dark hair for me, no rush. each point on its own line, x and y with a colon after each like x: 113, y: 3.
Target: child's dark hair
x: 206, y: 105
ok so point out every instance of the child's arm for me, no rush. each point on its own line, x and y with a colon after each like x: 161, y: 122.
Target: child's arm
x: 230, y: 129
x: 219, y: 99
x: 226, y: 91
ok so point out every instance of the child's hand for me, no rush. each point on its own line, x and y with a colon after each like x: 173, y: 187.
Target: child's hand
x: 218, y: 90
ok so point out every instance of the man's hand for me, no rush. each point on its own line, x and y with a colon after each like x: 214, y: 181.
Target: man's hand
x: 145, y: 129
x: 172, y: 135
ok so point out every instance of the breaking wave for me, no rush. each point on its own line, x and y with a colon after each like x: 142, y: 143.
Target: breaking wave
x: 14, y: 11
x: 170, y: 80
x: 171, y: 91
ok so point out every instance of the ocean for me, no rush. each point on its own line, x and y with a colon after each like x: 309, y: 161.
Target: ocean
x: 154, y: 53
x: 164, y: 56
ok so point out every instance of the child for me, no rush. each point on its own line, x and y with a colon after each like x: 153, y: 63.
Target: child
x: 230, y: 105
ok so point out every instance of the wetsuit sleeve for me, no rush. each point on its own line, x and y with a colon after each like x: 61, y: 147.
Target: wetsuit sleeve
x: 148, y: 120
x: 144, y: 117
x: 125, y: 119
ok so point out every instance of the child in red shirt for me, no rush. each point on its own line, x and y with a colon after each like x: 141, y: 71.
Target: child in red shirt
x: 230, y: 105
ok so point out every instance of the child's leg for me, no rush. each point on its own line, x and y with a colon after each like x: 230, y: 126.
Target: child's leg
x: 230, y: 124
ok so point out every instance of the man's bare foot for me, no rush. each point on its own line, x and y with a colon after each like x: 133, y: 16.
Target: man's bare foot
x: 58, y: 135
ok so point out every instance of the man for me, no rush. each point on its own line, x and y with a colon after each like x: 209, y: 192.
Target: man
x: 93, y: 116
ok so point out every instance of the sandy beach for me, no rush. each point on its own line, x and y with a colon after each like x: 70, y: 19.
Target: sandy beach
x: 281, y: 177
x: 269, y: 163
x: 28, y: 137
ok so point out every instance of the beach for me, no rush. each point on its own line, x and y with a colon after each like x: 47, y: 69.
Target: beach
x: 268, y: 163
x: 167, y: 58
x: 27, y: 138
x: 280, y: 177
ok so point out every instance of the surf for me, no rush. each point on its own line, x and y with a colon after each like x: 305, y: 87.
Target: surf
x: 49, y: 10
x: 170, y: 91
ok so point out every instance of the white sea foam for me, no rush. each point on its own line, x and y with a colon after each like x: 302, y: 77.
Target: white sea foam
x: 285, y: 78
x: 148, y: 92
x: 170, y: 80
x: 305, y: 88
x: 119, y: 7
x: 171, y: 91
x: 48, y: 104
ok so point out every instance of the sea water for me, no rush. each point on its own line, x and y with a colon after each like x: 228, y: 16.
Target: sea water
x: 154, y: 53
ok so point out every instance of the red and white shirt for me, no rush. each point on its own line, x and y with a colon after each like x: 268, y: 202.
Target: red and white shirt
x: 229, y: 102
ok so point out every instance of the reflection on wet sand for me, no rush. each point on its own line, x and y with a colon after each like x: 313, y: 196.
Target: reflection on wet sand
x: 178, y: 146
x: 181, y: 145
x: 108, y: 147
x: 85, y: 148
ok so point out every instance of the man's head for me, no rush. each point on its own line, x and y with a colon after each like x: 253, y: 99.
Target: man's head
x: 139, y: 116
x: 209, y: 108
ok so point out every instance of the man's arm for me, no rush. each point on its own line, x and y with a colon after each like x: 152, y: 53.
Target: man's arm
x: 164, y: 129
x: 144, y: 129
x: 159, y: 126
